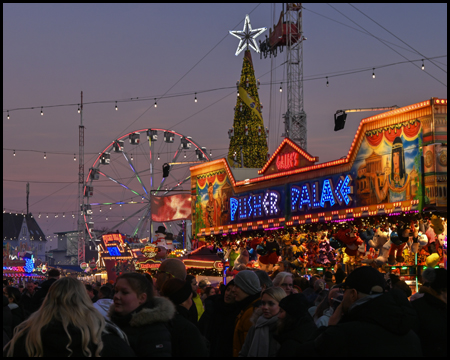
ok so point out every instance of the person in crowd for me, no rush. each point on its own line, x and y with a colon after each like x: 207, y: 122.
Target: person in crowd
x: 319, y: 285
x: 247, y: 294
x: 26, y: 298
x: 339, y: 275
x: 218, y: 322
x: 264, y: 280
x: 432, y: 312
x: 281, y: 266
x: 322, y: 314
x: 322, y: 306
x: 320, y: 296
x: 295, y: 326
x: 197, y: 309
x: 7, y: 321
x: 143, y: 317
x: 13, y: 295
x: 104, y: 301
x: 260, y: 341
x: 367, y: 312
x: 285, y: 280
x: 41, y: 292
x: 67, y: 325
x: 301, y: 283
x: 186, y: 337
x: 90, y: 292
x: 170, y: 268
x: 202, y: 286
x: 310, y: 290
x: 209, y: 290
x: 328, y: 278
x: 21, y: 288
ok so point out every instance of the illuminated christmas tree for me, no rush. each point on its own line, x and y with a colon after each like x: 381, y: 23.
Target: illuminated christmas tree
x: 248, y: 131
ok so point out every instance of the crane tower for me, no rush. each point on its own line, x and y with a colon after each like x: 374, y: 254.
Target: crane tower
x: 289, y: 33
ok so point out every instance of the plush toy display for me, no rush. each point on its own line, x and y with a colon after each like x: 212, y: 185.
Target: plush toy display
x: 399, y: 237
x: 437, y: 224
x: 242, y: 260
x: 350, y: 239
x: 270, y: 258
x: 160, y: 235
x: 382, y: 243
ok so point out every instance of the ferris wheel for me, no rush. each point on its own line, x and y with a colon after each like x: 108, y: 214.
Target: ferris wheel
x: 130, y: 171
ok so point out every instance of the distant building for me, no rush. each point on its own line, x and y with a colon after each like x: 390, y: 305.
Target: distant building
x: 66, y: 252
x: 22, y: 233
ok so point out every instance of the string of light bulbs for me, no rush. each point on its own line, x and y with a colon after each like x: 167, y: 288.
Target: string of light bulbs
x: 197, y: 92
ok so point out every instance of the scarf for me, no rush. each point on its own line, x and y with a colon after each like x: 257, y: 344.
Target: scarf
x: 261, y: 337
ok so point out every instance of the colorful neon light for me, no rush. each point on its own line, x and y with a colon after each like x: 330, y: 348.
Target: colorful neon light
x: 287, y: 161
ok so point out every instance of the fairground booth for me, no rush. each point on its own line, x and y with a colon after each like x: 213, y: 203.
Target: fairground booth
x: 383, y: 205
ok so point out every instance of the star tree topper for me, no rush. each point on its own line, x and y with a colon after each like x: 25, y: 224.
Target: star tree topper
x: 247, y: 36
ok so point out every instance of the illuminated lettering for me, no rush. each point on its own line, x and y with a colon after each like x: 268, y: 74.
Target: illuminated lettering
x: 287, y: 161
x: 252, y: 206
x: 257, y: 206
x: 315, y: 195
x: 327, y: 193
x: 233, y: 208
x: 271, y: 203
x: 243, y: 213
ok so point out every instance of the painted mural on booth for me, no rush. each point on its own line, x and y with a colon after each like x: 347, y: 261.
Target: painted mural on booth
x: 387, y: 167
x: 211, y: 206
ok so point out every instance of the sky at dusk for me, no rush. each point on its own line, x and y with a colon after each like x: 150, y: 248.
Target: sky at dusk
x: 115, y: 52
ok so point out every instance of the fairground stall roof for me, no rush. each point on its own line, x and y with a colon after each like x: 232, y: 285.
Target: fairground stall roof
x: 397, y: 162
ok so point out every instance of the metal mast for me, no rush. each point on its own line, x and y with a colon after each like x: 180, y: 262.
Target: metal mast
x: 295, y: 116
x: 80, y: 208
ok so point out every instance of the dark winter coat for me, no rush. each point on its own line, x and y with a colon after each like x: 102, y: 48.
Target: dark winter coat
x: 18, y: 315
x: 186, y: 337
x: 217, y: 324
x: 432, y: 326
x: 7, y: 319
x: 55, y: 340
x: 40, y: 294
x: 386, y: 321
x: 243, y: 323
x: 147, y: 327
x: 291, y: 338
x: 26, y: 303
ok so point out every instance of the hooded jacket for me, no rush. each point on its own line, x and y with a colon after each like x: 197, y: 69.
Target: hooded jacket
x: 146, y: 327
x: 55, y: 340
x: 103, y: 305
x: 386, y: 321
x: 40, y: 294
x: 432, y: 326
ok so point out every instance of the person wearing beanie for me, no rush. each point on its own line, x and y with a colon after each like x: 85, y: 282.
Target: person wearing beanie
x: 187, y: 339
x: 367, y: 311
x: 247, y: 293
x: 432, y: 312
x: 295, y: 326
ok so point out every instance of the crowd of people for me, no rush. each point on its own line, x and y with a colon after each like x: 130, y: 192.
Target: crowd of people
x: 254, y: 315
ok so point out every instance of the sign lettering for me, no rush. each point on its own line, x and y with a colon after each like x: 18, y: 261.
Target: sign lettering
x: 287, y: 161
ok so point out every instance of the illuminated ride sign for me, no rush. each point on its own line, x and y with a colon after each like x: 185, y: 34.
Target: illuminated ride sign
x: 307, y: 196
x: 310, y: 196
x: 287, y: 161
x: 255, y: 206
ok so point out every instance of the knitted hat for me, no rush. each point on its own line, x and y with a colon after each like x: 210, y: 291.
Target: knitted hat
x: 248, y: 282
x: 366, y: 280
x: 178, y: 291
x: 295, y: 305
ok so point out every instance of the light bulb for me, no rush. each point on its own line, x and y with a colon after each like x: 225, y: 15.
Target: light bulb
x: 131, y: 157
x: 373, y: 74
x: 423, y: 67
x: 185, y: 154
x: 116, y: 106
x: 281, y: 89
x: 158, y: 156
x: 14, y: 153
x: 45, y: 156
x: 195, y: 97
x: 7, y: 116
x: 156, y: 105
x: 79, y: 108
x: 42, y: 112
x: 327, y: 81
x: 74, y: 157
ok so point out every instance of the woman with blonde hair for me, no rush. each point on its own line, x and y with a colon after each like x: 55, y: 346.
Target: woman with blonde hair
x: 285, y: 280
x: 260, y: 341
x: 67, y: 324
